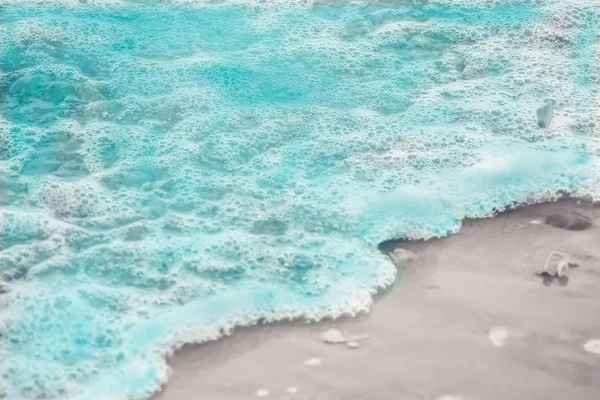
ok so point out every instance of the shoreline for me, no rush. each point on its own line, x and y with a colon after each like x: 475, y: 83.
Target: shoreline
x: 432, y: 333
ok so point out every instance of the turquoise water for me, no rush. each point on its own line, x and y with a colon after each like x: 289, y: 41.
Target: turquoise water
x: 170, y: 171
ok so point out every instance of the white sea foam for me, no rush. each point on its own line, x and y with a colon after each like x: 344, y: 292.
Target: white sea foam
x: 170, y: 172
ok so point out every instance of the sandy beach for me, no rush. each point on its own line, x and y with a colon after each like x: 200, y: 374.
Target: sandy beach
x: 468, y: 318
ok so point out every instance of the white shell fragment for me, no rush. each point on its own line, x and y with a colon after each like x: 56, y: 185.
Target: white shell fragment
x: 448, y: 397
x: 562, y: 269
x: 332, y: 336
x: 592, y: 346
x: 498, y: 335
x: 312, y: 362
x: 262, y: 393
x: 292, y: 390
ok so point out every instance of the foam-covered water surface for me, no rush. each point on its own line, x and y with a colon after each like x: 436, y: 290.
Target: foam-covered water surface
x: 170, y: 171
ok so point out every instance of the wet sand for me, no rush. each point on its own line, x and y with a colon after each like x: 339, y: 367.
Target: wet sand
x: 429, y: 334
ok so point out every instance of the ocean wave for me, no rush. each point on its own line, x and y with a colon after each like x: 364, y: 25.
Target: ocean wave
x: 171, y: 171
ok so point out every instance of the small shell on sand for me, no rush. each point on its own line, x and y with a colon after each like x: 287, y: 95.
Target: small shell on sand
x: 352, y: 344
x: 592, y: 346
x: 558, y: 263
x: 292, y: 390
x: 332, y: 336
x: 312, y: 362
x: 498, y: 335
x: 262, y: 393
x: 535, y: 222
x: 448, y: 397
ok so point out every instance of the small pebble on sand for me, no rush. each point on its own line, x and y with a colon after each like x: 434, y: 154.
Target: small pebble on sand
x: 592, y: 346
x: 352, y: 344
x: 498, y: 335
x: 312, y: 362
x: 448, y: 397
x: 573, y: 221
x: 292, y: 390
x: 262, y: 393
x: 535, y: 222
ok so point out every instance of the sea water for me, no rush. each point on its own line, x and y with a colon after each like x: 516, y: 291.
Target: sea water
x: 171, y: 170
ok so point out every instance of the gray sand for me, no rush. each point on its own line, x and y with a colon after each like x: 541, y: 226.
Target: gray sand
x: 428, y: 335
